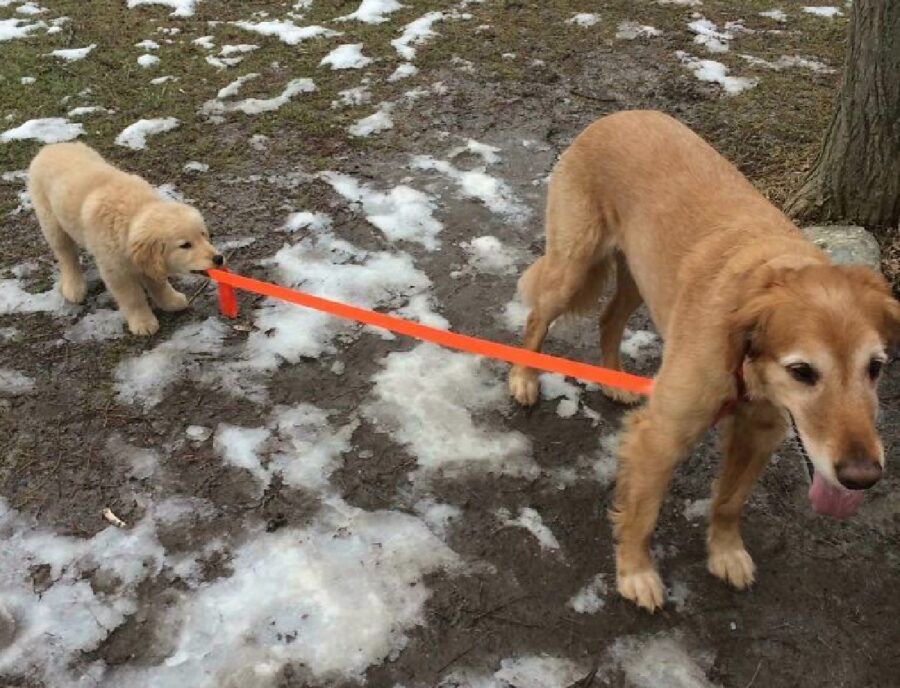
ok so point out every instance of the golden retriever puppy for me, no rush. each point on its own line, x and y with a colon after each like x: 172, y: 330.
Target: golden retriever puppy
x: 749, y: 310
x: 137, y: 238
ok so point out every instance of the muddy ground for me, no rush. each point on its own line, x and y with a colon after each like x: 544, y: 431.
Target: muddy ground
x: 825, y: 609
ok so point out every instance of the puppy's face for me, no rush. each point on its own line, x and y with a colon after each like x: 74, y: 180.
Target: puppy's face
x: 818, y: 339
x: 171, y: 238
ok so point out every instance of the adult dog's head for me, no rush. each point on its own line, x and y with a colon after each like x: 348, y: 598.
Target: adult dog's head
x: 815, y: 339
x: 167, y: 238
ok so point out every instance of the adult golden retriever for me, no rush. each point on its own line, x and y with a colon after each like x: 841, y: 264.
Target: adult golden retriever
x: 137, y: 238
x: 742, y: 301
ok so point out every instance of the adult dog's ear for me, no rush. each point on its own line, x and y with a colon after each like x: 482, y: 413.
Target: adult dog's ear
x: 756, y: 299
x: 148, y: 254
x: 885, y: 308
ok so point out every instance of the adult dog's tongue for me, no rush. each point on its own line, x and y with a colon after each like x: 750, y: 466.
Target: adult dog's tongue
x: 828, y: 500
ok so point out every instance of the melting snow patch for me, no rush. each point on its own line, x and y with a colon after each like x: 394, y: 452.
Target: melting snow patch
x: 334, y: 599
x: 143, y: 461
x: 477, y: 184
x: 681, y: 3
x: 181, y: 8
x: 13, y: 383
x: 709, y: 36
x: 529, y: 671
x: 286, y: 31
x: 87, y: 110
x: 255, y: 106
x: 331, y: 268
x: 135, y: 135
x: 30, y: 8
x: 402, y: 214
x: 697, y: 509
x: 360, y: 95
x: 47, y: 130
x: 660, y: 661
x: 73, y: 54
x: 147, y: 44
x: 530, y: 520
x: 317, y: 222
x: 641, y: 345
x: 207, y: 42
x: 716, y: 72
x: 487, y: 153
x: 144, y: 379
x: 147, y: 60
x: 425, y: 399
x: 487, y: 254
x: 99, y: 326
x: 629, y: 30
x: 554, y: 386
x: 14, y: 299
x: 788, y: 62
x: 195, y: 166
x: 27, y: 80
x: 198, y: 433
x: 437, y: 516
x: 299, y: 442
x: 824, y: 11
x: 590, y: 599
x: 163, y: 79
x: 374, y: 123
x: 372, y: 11
x: 11, y: 29
x: 777, y: 14
x: 421, y: 309
x: 404, y: 71
x: 347, y: 56
x: 416, y: 32
x: 583, y: 19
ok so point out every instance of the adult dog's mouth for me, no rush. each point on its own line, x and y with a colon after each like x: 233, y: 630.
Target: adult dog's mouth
x: 826, y: 498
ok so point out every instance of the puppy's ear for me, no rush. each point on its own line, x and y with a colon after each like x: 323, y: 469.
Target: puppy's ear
x: 149, y: 256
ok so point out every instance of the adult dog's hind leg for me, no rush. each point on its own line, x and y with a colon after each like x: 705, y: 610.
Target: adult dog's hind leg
x: 624, y: 302
x: 748, y: 439
x: 554, y: 287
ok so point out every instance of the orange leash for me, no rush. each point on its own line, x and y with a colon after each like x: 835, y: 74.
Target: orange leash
x: 227, y: 282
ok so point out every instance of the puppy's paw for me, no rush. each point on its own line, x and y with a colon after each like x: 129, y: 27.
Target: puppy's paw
x: 174, y: 301
x: 143, y: 325
x: 523, y: 386
x: 644, y: 588
x: 734, y: 566
x: 73, y: 288
x: 622, y: 396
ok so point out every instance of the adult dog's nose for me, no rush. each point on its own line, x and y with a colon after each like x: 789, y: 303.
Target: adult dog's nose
x: 218, y: 260
x: 858, y: 474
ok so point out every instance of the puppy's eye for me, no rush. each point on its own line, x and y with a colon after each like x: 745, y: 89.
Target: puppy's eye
x: 186, y: 244
x: 875, y: 366
x: 804, y: 373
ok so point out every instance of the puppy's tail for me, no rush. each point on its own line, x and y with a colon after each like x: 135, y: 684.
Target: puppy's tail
x: 583, y: 302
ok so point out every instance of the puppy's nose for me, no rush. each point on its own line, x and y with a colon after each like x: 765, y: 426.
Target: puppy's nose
x: 858, y: 474
x: 218, y: 259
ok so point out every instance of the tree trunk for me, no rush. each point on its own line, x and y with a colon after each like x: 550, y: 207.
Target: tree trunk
x: 856, y: 176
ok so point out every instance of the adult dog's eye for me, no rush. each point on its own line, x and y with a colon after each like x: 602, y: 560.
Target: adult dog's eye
x: 186, y: 244
x: 804, y: 372
x: 875, y: 366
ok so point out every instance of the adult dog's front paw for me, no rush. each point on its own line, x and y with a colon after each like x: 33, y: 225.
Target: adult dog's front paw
x: 523, y: 385
x: 644, y: 588
x: 734, y: 566
x: 143, y: 325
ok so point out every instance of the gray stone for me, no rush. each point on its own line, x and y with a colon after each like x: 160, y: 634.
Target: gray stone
x: 847, y: 245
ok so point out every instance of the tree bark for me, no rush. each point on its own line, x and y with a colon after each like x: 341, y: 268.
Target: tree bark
x: 856, y: 175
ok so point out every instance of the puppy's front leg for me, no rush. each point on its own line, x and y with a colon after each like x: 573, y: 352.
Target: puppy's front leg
x: 748, y: 439
x: 165, y: 295
x: 652, y: 445
x: 126, y: 289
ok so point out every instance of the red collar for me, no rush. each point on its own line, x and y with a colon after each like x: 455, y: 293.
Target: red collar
x: 728, y: 407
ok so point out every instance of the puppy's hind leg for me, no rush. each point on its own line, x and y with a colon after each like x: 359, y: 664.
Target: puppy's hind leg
x: 748, y: 439
x: 624, y: 302
x: 71, y: 283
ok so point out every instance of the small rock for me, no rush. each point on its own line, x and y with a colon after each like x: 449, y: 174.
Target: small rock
x: 847, y: 245
x: 198, y: 433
